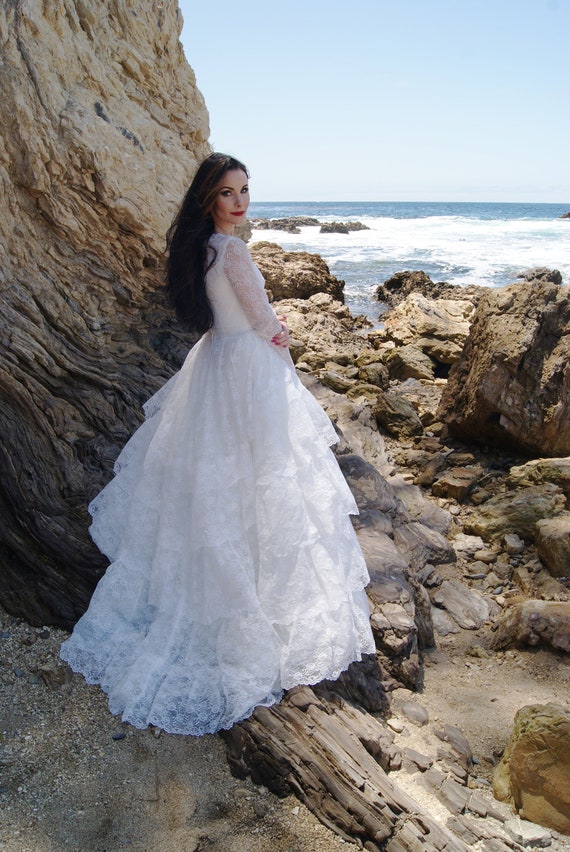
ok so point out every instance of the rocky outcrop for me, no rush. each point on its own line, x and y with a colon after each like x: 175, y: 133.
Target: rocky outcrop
x: 295, y: 274
x: 402, y: 284
x: 534, y: 774
x: 101, y: 128
x: 511, y: 385
x: 438, y: 328
x: 291, y: 224
x: 342, y: 227
x: 532, y: 623
x: 541, y: 274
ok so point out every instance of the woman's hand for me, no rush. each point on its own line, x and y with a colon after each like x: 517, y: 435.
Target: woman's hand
x: 282, y: 338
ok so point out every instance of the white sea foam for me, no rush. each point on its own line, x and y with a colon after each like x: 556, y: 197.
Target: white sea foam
x: 460, y: 249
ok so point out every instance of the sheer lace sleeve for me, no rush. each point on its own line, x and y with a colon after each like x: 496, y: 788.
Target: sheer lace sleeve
x: 247, y: 282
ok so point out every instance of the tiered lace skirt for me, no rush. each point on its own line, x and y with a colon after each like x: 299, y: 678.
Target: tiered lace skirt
x: 235, y: 571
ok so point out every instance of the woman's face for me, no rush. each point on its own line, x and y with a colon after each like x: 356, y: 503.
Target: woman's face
x: 232, y: 201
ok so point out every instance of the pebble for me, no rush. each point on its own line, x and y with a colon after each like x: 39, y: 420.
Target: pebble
x: 414, y: 712
x: 120, y: 735
x: 260, y: 808
x: 486, y: 556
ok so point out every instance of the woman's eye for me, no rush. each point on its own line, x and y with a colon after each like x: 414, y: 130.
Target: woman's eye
x: 226, y: 192
x: 245, y: 189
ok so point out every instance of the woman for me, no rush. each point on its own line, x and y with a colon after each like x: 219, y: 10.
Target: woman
x: 235, y: 571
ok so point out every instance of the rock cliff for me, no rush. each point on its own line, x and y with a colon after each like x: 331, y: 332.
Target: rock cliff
x: 511, y: 385
x: 100, y: 131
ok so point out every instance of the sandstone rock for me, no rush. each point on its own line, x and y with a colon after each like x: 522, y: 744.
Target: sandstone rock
x: 326, y: 328
x: 534, y: 472
x: 457, y: 483
x: 469, y: 545
x: 410, y: 361
x: 423, y: 395
x: 362, y: 391
x: 511, y: 385
x: 295, y: 274
x: 515, y: 512
x: 336, y: 381
x: 396, y: 415
x: 102, y: 126
x: 374, y: 373
x: 553, y: 544
x: 395, y: 289
x: 534, y: 622
x: 430, y: 470
x: 439, y: 328
x: 534, y: 773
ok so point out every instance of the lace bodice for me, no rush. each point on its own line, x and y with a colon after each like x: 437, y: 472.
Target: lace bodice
x: 236, y: 291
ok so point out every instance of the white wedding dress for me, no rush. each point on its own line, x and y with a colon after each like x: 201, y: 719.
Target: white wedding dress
x: 235, y: 571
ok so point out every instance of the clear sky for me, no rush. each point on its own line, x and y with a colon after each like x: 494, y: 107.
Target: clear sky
x: 388, y: 100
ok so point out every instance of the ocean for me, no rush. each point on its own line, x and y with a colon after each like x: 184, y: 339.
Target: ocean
x: 463, y: 243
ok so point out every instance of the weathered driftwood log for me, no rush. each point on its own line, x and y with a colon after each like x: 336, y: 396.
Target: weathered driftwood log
x: 335, y: 758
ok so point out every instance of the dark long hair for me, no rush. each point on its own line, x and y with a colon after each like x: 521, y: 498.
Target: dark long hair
x: 187, y: 244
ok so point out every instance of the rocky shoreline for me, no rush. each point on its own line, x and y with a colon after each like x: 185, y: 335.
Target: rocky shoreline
x: 484, y: 631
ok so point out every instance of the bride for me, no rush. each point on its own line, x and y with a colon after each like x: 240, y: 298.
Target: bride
x: 234, y: 571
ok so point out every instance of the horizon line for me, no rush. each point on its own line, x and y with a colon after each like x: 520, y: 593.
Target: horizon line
x: 401, y: 201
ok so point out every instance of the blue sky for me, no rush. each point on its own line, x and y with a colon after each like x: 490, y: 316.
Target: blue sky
x: 388, y: 100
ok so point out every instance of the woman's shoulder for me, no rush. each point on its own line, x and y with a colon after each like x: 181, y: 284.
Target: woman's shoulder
x: 224, y: 242
x: 226, y: 239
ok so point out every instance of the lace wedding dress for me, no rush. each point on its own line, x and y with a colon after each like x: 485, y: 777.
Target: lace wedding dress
x: 235, y: 571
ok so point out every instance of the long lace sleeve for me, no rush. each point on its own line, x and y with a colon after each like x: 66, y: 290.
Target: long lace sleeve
x: 247, y: 281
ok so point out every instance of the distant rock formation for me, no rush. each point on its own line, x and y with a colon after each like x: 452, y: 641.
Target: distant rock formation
x: 101, y: 127
x: 342, y: 227
x: 291, y: 224
x: 511, y: 384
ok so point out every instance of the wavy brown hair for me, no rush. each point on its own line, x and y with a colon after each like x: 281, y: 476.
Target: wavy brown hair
x: 187, y: 244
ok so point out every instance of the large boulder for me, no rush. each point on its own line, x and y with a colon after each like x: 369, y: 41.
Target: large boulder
x: 326, y: 329
x: 534, y: 773
x: 101, y: 127
x: 295, y: 274
x: 511, y: 385
x: 439, y: 327
x: 516, y: 512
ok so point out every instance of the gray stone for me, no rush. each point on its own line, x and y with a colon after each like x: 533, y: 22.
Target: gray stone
x: 466, y: 606
x: 414, y: 712
x: 528, y: 833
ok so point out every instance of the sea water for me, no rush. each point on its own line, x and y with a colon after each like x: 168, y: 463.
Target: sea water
x: 488, y: 244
